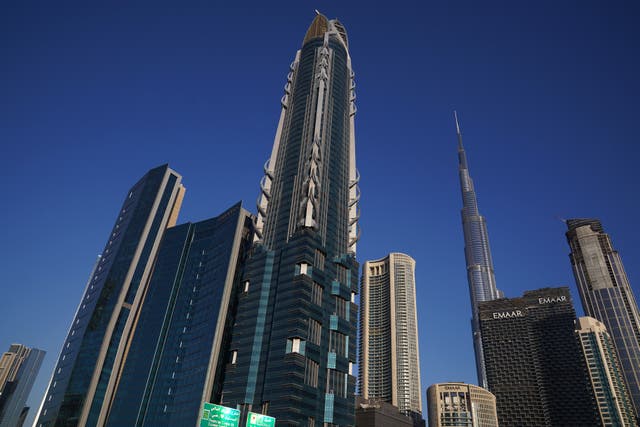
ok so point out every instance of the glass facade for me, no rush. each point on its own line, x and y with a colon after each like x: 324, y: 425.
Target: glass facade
x: 18, y: 370
x: 606, y: 295
x: 480, y: 273
x: 181, y: 340
x: 103, y: 319
x: 302, y: 270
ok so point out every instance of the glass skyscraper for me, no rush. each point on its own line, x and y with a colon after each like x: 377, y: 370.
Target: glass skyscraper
x: 293, y: 344
x: 96, y: 341
x: 18, y: 370
x: 477, y: 253
x: 389, y: 360
x: 179, y: 349
x: 607, y: 295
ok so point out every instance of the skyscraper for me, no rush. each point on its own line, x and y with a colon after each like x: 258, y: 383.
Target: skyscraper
x: 179, y: 349
x: 461, y: 405
x: 294, y: 335
x: 614, y: 403
x: 606, y: 294
x: 389, y: 361
x: 477, y: 253
x: 96, y: 341
x: 18, y: 370
x: 534, y: 361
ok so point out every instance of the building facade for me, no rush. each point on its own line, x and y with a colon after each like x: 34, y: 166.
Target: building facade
x: 389, y: 360
x: 294, y: 337
x: 180, y: 346
x: 377, y: 413
x: 534, y: 361
x: 614, y: 403
x: 606, y: 294
x: 477, y: 253
x: 461, y: 405
x: 96, y: 341
x: 19, y: 367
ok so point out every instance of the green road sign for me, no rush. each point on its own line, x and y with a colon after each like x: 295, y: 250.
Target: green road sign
x: 259, y: 420
x: 219, y: 416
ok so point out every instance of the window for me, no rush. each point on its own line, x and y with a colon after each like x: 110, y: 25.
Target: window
x: 341, y: 307
x: 316, y: 293
x: 341, y: 273
x: 265, y: 408
x: 338, y: 343
x: 353, y: 297
x: 303, y: 268
x: 318, y: 260
x: 295, y: 345
x: 245, y: 286
x: 234, y: 357
x: 311, y: 373
x: 336, y: 383
x: 315, y: 331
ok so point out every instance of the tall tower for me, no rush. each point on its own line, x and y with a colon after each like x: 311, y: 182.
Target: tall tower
x: 180, y: 347
x: 18, y: 371
x: 294, y: 337
x: 477, y: 253
x: 389, y: 361
x: 97, y: 339
x: 606, y: 294
x: 614, y: 404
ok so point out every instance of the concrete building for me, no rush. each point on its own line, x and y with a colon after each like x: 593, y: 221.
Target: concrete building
x: 389, y: 360
x: 96, y: 342
x: 377, y: 413
x: 19, y: 367
x: 606, y: 294
x: 477, y: 253
x: 614, y: 403
x: 295, y: 332
x: 534, y: 361
x: 461, y: 405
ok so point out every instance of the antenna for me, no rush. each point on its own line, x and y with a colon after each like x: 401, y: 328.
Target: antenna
x: 455, y: 114
x: 316, y: 10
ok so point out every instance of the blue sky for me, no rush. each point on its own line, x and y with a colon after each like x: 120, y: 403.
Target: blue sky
x: 92, y: 96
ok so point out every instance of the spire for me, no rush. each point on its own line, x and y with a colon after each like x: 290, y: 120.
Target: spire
x: 462, y: 156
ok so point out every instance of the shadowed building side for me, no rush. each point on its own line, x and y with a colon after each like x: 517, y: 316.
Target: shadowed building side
x: 95, y: 344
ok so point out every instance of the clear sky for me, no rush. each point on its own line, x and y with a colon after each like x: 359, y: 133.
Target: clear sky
x: 92, y: 96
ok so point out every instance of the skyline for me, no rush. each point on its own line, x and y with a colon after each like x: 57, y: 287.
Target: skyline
x: 78, y: 94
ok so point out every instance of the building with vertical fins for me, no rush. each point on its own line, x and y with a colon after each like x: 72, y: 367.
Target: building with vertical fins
x: 477, y: 253
x: 606, y: 294
x: 180, y: 346
x: 294, y: 340
x: 461, y: 405
x: 534, y: 361
x: 96, y: 343
x: 19, y: 368
x: 389, y: 360
x: 614, y: 404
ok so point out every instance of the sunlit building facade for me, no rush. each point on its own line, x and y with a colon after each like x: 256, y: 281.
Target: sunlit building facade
x: 294, y: 336
x: 461, y: 405
x: 614, y: 404
x: 606, y: 294
x: 389, y: 360
x: 98, y: 336
x: 19, y: 367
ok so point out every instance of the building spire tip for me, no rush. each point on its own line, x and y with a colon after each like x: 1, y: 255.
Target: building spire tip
x: 455, y: 115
